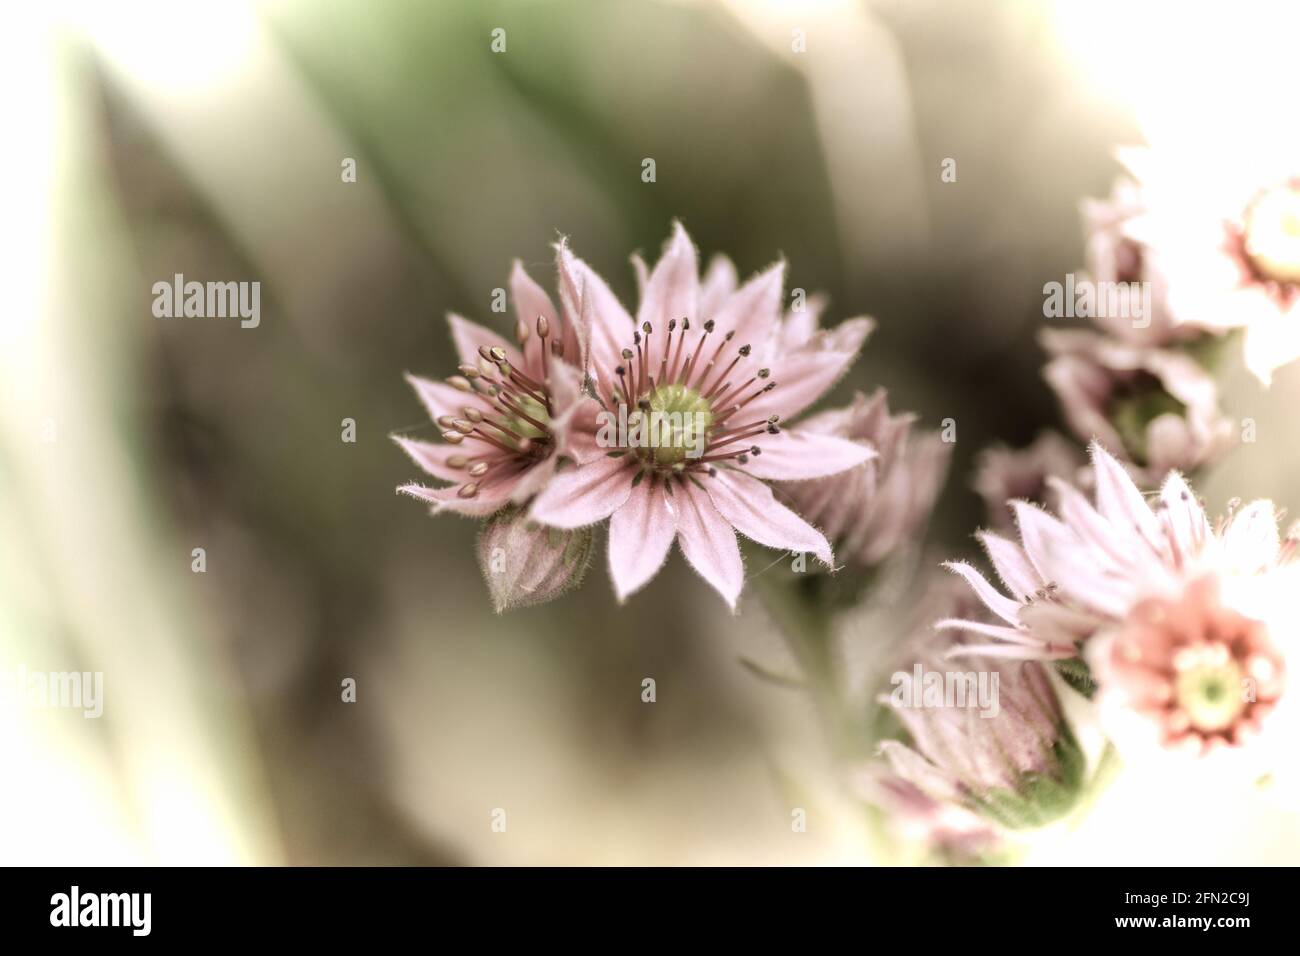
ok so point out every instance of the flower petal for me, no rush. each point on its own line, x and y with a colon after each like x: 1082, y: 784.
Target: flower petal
x: 584, y: 494
x: 1120, y: 502
x: 640, y: 533
x: 1062, y: 558
x: 919, y: 772
x: 754, y: 309
x: 999, y: 604
x: 432, y: 457
x: 1015, y: 635
x: 672, y: 289
x: 1184, y: 517
x: 1009, y: 561
x: 469, y: 336
x: 751, y: 508
x: 488, y: 500
x: 719, y: 282
x: 531, y: 302
x: 803, y: 376
x: 671, y: 292
x: 1251, y: 542
x: 708, y: 542
x: 798, y: 455
x: 441, y: 399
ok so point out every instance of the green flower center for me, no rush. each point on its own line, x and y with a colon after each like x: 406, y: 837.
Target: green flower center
x: 524, y: 423
x: 1208, y: 689
x: 1133, y: 408
x: 675, y: 422
x: 1272, y: 235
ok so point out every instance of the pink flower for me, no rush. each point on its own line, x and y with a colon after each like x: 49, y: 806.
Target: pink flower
x: 868, y: 512
x: 505, y: 417
x: 1004, y: 475
x: 1201, y: 676
x: 1072, y: 575
x: 1227, y: 240
x: 709, y: 388
x: 990, y: 737
x: 1113, y: 256
x: 944, y: 830
x: 1154, y: 407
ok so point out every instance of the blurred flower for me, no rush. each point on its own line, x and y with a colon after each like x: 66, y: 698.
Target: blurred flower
x: 1154, y: 407
x: 714, y: 381
x: 1071, y: 576
x: 946, y: 831
x: 1226, y: 238
x: 1115, y: 257
x: 505, y: 417
x: 1004, y: 474
x: 1016, y: 763
x: 869, y: 511
x: 1201, y: 678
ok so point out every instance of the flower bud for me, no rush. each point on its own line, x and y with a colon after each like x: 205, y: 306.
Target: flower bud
x: 525, y: 563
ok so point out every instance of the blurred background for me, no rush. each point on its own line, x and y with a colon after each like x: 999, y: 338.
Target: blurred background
x: 207, y: 139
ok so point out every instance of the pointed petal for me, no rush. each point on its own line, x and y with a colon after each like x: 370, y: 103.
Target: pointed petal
x: 919, y: 772
x: 530, y: 302
x: 1011, y: 565
x: 1016, y: 652
x: 441, y: 399
x: 1251, y: 542
x: 754, y: 309
x: 640, y: 534
x: 671, y: 292
x: 1044, y: 539
x: 805, y: 375
x: 798, y: 456
x: 1119, y: 500
x: 1110, y: 543
x: 799, y: 326
x: 751, y: 508
x: 484, y: 503
x: 1063, y: 559
x: 708, y: 542
x: 469, y: 336
x: 999, y: 604
x: 432, y: 457
x: 718, y: 283
x: 1014, y: 635
x: 584, y: 494
x: 1186, y: 518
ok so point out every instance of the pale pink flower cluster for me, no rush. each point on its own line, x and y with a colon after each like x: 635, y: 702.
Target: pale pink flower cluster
x: 1185, y: 622
x: 528, y: 425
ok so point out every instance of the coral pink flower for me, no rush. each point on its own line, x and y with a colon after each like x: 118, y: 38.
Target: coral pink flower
x: 711, y: 387
x: 1201, y: 676
x: 1227, y: 241
x: 1071, y: 576
x: 505, y: 416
